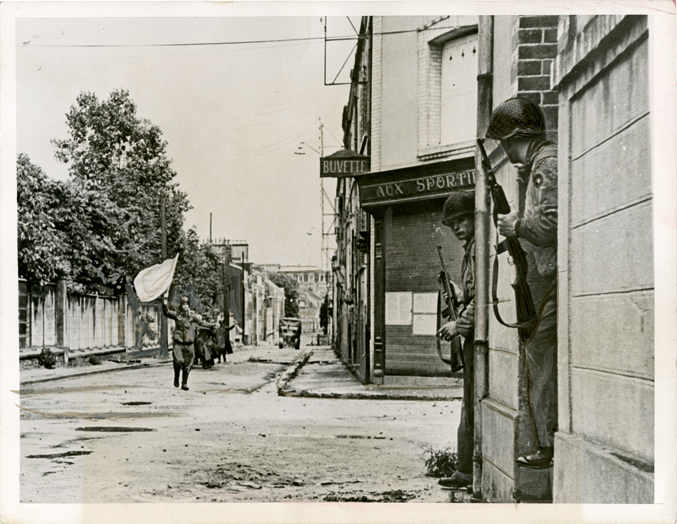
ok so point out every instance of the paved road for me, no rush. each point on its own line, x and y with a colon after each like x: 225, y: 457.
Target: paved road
x: 132, y: 437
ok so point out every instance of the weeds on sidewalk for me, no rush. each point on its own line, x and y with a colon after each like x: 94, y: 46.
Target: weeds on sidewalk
x: 440, y: 463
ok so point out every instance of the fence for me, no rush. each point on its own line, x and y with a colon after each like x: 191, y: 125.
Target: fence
x: 51, y: 317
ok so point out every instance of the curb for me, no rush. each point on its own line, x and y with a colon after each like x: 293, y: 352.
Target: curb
x: 284, y: 389
x: 290, y: 374
x: 93, y: 372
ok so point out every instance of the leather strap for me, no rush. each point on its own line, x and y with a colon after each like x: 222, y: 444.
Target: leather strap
x: 494, y: 296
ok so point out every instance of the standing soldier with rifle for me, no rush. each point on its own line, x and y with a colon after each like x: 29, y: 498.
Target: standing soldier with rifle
x: 520, y: 126
x: 459, y: 216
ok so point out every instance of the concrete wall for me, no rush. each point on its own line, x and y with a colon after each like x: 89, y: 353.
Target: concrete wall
x: 604, y: 448
x: 51, y: 317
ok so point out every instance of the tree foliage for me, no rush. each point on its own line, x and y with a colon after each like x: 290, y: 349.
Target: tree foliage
x: 100, y: 227
x: 105, y: 219
x: 200, y: 266
x: 291, y: 294
x: 41, y: 244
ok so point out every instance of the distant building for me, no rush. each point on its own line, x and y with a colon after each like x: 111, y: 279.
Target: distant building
x: 309, y: 278
x: 313, y: 285
x: 264, y: 307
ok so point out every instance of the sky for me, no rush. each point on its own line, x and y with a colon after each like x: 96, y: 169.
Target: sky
x: 234, y: 116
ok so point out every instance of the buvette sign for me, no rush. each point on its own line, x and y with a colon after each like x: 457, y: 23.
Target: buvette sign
x: 343, y: 164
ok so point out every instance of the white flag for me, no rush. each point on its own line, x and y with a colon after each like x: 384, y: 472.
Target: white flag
x: 155, y: 280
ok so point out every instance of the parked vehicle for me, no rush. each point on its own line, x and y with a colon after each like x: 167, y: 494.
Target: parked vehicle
x: 290, y: 333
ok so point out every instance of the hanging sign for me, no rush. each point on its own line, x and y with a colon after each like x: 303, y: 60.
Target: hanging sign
x: 343, y: 164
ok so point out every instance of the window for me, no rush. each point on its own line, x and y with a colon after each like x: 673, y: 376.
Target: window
x: 447, y: 73
x: 458, y: 99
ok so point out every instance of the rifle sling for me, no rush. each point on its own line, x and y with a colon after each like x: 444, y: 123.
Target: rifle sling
x: 494, y: 296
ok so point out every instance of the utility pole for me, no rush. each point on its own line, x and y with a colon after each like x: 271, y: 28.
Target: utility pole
x: 164, y: 347
x: 210, y: 228
x: 226, y: 284
x: 324, y: 246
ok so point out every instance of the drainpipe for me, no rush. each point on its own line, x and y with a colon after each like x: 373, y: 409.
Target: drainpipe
x: 482, y: 229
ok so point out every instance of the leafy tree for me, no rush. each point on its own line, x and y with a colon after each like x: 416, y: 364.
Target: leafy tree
x: 41, y: 245
x: 200, y: 266
x: 119, y: 173
x: 291, y: 294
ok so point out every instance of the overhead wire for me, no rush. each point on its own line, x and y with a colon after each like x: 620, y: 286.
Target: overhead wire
x: 241, y: 42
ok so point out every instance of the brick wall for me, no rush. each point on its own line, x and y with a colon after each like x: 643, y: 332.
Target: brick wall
x: 535, y: 48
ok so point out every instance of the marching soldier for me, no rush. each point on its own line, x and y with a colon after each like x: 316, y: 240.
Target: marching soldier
x: 459, y: 216
x: 520, y: 126
x: 183, y: 354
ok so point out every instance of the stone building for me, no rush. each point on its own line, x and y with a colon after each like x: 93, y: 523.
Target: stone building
x: 423, y: 89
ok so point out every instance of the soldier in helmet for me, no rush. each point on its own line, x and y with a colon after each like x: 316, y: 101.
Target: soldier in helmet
x: 520, y: 126
x: 183, y: 354
x: 459, y: 216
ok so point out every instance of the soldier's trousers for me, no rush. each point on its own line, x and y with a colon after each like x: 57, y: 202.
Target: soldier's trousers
x: 466, y: 428
x: 541, y: 354
x: 183, y: 356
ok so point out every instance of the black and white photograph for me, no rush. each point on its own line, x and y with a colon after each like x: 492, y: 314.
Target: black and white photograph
x: 280, y: 261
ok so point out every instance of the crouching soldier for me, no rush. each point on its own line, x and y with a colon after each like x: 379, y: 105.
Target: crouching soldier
x: 459, y: 216
x: 183, y: 353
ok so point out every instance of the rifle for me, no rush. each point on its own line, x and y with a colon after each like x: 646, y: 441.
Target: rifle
x: 524, y: 303
x: 452, y: 305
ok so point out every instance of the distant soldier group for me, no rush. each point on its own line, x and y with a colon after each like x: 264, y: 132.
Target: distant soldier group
x: 519, y: 125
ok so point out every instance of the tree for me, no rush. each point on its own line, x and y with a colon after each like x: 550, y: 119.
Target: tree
x: 291, y: 294
x: 42, y: 250
x: 200, y: 266
x: 119, y: 173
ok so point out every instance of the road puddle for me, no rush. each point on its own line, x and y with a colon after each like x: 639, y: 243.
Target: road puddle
x: 59, y: 455
x: 113, y: 429
x: 80, y: 389
x: 101, y: 415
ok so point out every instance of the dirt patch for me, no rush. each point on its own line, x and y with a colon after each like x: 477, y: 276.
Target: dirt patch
x: 234, y: 475
x: 396, y: 495
x: 114, y: 429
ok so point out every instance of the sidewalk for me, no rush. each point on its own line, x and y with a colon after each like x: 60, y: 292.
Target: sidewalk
x: 321, y: 374
x: 314, y: 371
x: 37, y: 375
x: 263, y: 353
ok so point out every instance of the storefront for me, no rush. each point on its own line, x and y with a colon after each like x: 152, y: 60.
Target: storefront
x: 406, y: 205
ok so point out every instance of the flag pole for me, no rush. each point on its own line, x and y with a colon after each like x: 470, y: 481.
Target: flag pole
x: 164, y: 346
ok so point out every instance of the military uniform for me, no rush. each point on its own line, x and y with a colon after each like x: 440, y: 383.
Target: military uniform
x: 458, y: 205
x: 520, y: 126
x: 466, y: 327
x: 183, y: 353
x: 537, y: 231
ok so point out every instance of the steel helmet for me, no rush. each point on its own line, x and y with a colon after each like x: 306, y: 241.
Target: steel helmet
x: 459, y: 203
x: 516, y: 116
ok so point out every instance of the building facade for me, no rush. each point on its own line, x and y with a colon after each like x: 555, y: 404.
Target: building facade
x: 422, y: 136
x: 430, y: 84
x: 351, y: 258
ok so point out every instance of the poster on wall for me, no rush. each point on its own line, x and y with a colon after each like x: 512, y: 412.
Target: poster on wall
x: 398, y: 308
x: 424, y: 324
